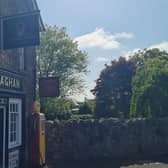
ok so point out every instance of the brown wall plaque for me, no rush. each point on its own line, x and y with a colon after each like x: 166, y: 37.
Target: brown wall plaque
x: 49, y: 87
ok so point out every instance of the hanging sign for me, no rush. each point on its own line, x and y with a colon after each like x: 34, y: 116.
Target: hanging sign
x: 20, y: 31
x: 49, y: 87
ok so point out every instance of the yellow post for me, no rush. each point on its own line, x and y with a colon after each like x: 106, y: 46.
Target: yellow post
x: 42, y: 139
x: 40, y: 134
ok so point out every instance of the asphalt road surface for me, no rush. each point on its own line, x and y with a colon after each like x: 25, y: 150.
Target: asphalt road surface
x: 107, y: 165
x: 148, y: 165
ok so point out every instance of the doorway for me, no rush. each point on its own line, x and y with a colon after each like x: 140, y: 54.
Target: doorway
x: 2, y: 136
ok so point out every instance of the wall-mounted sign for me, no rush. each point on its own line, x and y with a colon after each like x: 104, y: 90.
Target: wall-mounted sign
x: 20, y: 30
x: 10, y: 81
x: 13, y: 161
x: 49, y: 87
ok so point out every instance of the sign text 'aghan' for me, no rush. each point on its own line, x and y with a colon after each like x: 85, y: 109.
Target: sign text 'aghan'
x: 10, y: 81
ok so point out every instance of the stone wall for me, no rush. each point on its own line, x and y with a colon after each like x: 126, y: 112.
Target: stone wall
x: 107, y: 139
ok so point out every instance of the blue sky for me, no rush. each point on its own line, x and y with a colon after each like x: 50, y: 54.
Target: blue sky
x: 107, y: 29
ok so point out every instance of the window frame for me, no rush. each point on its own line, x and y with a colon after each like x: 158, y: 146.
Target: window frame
x: 18, y: 129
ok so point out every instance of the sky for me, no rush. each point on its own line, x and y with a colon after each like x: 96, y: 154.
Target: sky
x: 108, y: 29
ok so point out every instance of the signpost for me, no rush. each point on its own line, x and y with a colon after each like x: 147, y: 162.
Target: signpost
x: 19, y: 31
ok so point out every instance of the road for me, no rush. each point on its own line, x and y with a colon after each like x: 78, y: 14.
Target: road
x: 148, y: 165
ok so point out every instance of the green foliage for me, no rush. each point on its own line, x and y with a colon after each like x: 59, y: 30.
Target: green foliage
x: 57, y: 108
x: 142, y: 55
x: 62, y: 109
x: 113, y: 89
x: 150, y: 89
x: 87, y: 107
x: 81, y: 116
x: 58, y: 55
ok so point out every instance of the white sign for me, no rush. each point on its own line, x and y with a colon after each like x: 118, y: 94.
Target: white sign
x: 13, y: 159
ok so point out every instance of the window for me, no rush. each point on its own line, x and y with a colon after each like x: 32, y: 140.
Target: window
x: 15, y: 124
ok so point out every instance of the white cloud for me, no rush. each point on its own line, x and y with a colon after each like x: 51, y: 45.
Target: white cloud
x: 127, y: 54
x: 161, y: 46
x: 123, y: 35
x: 88, y: 94
x: 102, y: 59
x: 81, y: 97
x: 102, y: 39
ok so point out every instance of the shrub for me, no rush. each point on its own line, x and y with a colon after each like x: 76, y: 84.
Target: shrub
x: 82, y: 116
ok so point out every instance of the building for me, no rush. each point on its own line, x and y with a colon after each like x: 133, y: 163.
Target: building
x: 17, y: 93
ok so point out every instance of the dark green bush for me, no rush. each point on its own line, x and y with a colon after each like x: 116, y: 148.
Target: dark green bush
x: 87, y: 107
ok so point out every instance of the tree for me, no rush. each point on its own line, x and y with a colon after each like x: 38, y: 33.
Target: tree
x: 150, y: 89
x: 113, y: 89
x: 58, y: 55
x: 141, y: 56
x: 87, y: 107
